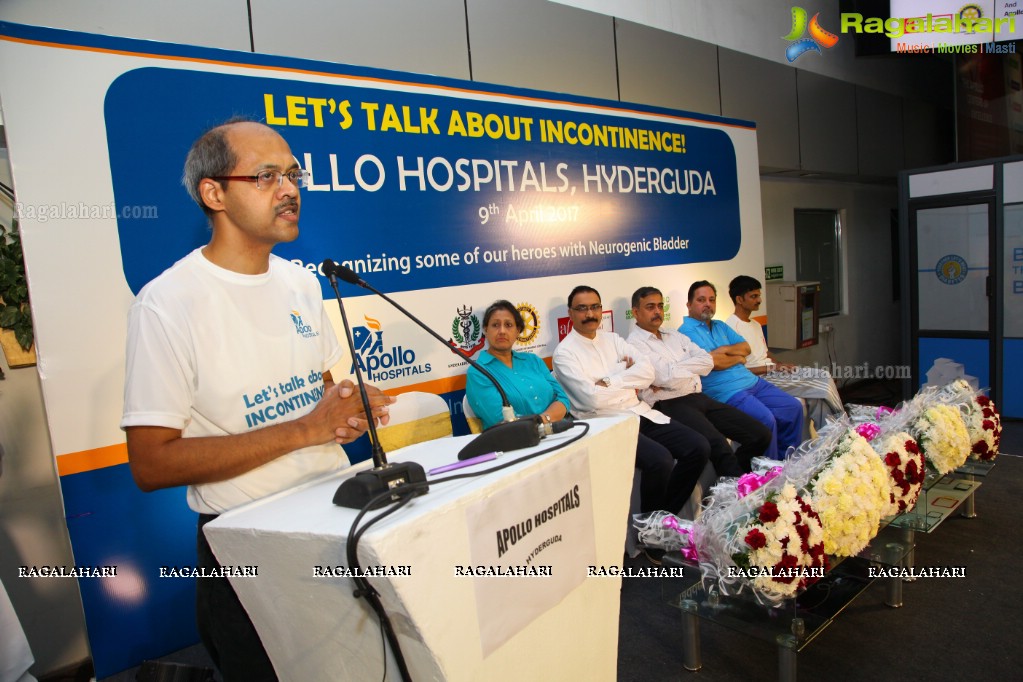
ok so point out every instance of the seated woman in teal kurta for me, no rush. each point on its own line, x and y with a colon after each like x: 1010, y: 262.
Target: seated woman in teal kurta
x: 530, y: 386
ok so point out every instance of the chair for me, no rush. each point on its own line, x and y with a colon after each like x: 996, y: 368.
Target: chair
x: 474, y: 422
x: 415, y: 418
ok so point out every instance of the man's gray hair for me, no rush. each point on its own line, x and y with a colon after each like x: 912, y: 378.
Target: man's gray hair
x: 211, y: 155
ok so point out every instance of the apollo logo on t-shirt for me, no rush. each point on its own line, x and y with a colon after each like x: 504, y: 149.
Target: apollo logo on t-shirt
x: 301, y: 328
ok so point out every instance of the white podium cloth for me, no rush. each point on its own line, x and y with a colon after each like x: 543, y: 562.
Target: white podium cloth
x: 313, y: 628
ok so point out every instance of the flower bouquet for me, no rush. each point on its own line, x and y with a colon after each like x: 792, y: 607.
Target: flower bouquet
x: 940, y: 432
x: 666, y: 531
x: 985, y: 427
x: 886, y: 431
x: 980, y: 416
x: 851, y: 493
x: 764, y: 539
x: 905, y: 464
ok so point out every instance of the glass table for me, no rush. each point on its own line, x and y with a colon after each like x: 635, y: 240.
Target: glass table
x: 940, y: 497
x: 797, y: 622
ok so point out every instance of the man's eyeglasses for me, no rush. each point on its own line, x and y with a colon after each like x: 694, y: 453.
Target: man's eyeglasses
x: 595, y: 308
x: 271, y: 178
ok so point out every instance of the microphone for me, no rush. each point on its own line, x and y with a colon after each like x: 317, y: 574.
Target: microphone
x: 357, y: 491
x: 513, y: 435
x: 524, y: 432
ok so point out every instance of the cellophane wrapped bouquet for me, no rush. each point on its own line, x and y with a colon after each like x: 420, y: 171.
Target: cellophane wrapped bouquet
x: 886, y: 430
x: 760, y: 535
x: 850, y: 490
x: 938, y: 427
x: 983, y: 423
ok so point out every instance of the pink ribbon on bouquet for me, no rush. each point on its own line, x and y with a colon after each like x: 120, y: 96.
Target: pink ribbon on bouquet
x: 688, y: 550
x: 868, y: 430
x: 883, y: 411
x: 750, y: 482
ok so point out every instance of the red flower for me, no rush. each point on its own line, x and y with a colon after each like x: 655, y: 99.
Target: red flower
x: 988, y: 425
x: 987, y: 412
x: 983, y: 400
x: 911, y: 446
x: 913, y: 472
x: 980, y: 447
x: 787, y: 563
x: 756, y: 539
x: 768, y: 512
x: 892, y: 459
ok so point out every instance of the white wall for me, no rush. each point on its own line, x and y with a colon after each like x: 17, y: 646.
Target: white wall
x: 868, y: 328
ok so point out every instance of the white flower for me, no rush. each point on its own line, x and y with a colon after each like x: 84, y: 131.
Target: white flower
x: 851, y: 493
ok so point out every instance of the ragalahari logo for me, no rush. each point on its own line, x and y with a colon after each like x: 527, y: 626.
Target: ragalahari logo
x: 819, y: 37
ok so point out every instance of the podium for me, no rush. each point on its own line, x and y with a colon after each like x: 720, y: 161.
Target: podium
x: 558, y: 514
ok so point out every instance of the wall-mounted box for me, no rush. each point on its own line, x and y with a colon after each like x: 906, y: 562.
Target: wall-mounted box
x: 794, y: 314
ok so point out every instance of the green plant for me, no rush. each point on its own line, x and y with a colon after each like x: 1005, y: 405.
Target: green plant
x: 15, y: 313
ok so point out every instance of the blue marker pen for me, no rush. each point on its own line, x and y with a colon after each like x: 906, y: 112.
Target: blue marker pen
x: 466, y: 463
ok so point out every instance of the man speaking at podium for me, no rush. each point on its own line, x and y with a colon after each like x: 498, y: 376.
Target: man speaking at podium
x: 227, y: 386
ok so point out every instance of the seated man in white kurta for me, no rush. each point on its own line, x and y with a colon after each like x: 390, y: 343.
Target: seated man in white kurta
x: 814, y: 385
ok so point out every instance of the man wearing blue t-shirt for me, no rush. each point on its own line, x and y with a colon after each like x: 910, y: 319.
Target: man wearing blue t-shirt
x: 730, y: 382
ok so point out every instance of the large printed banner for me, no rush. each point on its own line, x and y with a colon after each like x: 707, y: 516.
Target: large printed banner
x: 447, y: 194
x: 423, y: 187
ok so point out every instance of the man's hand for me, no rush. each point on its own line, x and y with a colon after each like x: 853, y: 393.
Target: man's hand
x: 340, y: 416
x: 161, y: 458
x: 725, y: 357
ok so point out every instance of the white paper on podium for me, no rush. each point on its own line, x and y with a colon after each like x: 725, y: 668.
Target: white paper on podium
x: 544, y: 522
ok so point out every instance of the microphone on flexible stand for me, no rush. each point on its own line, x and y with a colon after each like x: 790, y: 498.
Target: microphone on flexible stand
x: 356, y: 491
x: 510, y: 434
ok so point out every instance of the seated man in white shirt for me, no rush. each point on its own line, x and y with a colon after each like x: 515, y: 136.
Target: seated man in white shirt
x: 601, y: 374
x: 678, y: 365
x: 814, y: 385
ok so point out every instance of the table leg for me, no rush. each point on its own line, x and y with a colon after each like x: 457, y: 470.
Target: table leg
x: 786, y: 658
x: 690, y: 636
x: 894, y: 551
x: 969, y: 504
x: 909, y: 538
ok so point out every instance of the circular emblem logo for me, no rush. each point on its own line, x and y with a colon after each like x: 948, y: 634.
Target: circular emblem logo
x: 531, y: 320
x: 951, y: 269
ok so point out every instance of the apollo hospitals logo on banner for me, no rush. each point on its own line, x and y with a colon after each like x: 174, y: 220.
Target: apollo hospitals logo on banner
x: 378, y: 362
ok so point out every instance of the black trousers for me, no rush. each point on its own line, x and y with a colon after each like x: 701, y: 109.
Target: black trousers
x: 671, y: 457
x: 224, y: 626
x: 717, y: 421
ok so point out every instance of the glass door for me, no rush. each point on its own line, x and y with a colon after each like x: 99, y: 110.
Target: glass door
x: 952, y: 291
